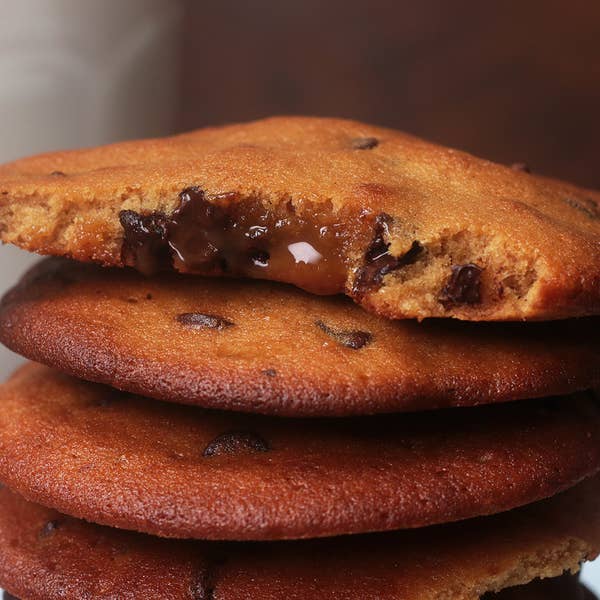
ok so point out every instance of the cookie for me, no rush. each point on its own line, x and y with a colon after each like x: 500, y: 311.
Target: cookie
x: 45, y: 555
x: 269, y: 348
x: 170, y: 470
x: 406, y: 228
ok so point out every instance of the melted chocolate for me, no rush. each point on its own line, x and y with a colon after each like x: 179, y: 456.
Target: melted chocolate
x: 354, y: 339
x: 236, y: 442
x: 226, y: 235
x: 144, y: 241
x: 463, y: 286
x: 378, y: 261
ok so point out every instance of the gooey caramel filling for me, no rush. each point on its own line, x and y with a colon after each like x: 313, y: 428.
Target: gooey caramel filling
x: 243, y: 237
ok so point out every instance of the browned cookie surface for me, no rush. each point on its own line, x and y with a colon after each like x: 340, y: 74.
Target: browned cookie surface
x: 274, y: 349
x: 171, y: 470
x: 45, y: 555
x: 406, y: 228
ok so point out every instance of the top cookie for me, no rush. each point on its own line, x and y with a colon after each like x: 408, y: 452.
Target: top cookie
x: 407, y: 228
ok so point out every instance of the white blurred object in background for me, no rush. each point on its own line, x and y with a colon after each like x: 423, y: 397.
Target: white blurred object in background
x: 80, y: 73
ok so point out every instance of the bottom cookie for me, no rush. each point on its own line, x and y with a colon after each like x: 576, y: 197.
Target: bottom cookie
x: 45, y: 555
x: 565, y: 587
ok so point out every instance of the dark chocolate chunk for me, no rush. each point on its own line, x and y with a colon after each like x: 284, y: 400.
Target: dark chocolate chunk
x: 202, y: 588
x: 354, y: 339
x: 520, y: 166
x: 204, y: 584
x: 365, y: 143
x: 58, y: 174
x: 585, y: 205
x: 270, y: 372
x: 49, y: 528
x: 203, y: 321
x: 145, y: 243
x: 196, y: 231
x: 236, y: 442
x: 378, y: 261
x: 259, y: 258
x: 463, y: 286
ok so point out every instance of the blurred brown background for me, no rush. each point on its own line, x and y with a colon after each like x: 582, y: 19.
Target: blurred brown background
x: 507, y: 80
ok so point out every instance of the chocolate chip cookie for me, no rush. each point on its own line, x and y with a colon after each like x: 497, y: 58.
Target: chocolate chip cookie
x: 174, y: 470
x: 271, y: 348
x: 45, y: 555
x: 404, y: 227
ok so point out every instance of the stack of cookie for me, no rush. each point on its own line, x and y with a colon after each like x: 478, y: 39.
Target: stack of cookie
x: 257, y: 409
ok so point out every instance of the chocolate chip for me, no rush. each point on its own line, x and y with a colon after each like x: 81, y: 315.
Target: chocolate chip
x: 196, y: 231
x: 259, y: 258
x: 236, y: 442
x: 520, y: 166
x: 202, y: 321
x: 201, y: 588
x: 145, y: 241
x: 201, y: 592
x: 270, y: 372
x: 58, y: 174
x: 204, y: 584
x: 378, y: 261
x: 354, y: 339
x: 148, y: 296
x: 585, y: 205
x: 49, y: 528
x: 463, y: 286
x: 364, y: 143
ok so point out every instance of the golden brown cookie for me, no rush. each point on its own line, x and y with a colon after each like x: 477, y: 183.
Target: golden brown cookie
x: 274, y: 349
x: 406, y: 228
x: 165, y: 469
x: 45, y: 555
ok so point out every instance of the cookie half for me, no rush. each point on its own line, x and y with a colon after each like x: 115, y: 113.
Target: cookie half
x: 269, y: 348
x: 131, y: 462
x: 406, y: 228
x: 45, y: 555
